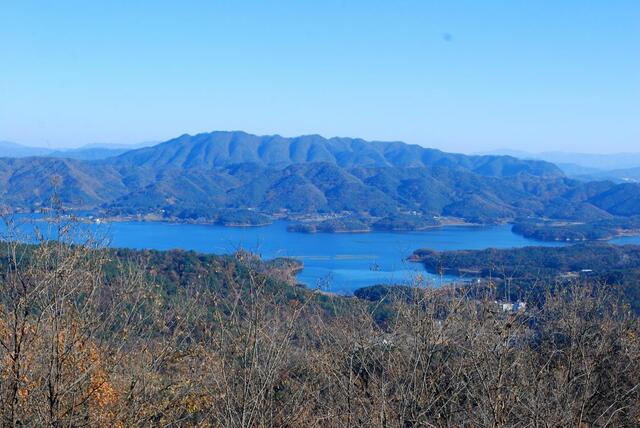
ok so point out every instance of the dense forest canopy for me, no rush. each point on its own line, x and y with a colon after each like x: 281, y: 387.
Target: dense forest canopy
x: 239, y: 178
x: 524, y: 272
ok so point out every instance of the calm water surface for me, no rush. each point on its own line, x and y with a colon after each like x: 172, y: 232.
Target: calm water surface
x: 339, y: 262
x: 626, y: 240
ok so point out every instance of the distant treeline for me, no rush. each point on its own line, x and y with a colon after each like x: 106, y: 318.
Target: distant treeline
x: 577, y: 231
x: 354, y: 223
x: 523, y: 270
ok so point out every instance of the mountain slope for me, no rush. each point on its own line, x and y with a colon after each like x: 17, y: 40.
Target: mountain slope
x: 199, y: 177
x: 28, y: 182
x: 627, y: 175
x: 219, y: 149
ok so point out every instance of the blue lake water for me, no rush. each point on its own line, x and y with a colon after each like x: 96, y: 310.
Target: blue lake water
x: 339, y: 262
x: 635, y: 240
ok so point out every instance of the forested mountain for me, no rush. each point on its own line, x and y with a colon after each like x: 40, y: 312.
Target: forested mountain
x: 220, y: 149
x: 193, y: 177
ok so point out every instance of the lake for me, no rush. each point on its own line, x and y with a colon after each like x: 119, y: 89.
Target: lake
x: 339, y: 262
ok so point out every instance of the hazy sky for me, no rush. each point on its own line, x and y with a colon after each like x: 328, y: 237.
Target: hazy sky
x: 458, y: 75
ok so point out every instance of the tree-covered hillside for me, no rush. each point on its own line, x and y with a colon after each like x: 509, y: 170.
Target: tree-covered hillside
x: 219, y: 149
x: 199, y: 177
x: 524, y: 272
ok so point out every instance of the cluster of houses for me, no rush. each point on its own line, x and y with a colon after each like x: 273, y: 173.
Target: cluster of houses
x: 518, y: 306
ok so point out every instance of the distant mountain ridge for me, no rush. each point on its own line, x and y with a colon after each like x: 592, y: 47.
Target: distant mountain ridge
x: 618, y: 167
x: 87, y: 152
x: 11, y: 149
x: 601, y: 161
x: 197, y: 178
x: 219, y: 149
x: 626, y: 175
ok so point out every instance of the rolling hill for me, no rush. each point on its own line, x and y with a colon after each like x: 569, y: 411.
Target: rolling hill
x: 197, y: 177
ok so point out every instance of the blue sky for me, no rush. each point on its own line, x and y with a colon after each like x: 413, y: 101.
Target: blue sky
x: 457, y: 75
